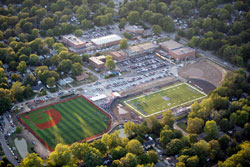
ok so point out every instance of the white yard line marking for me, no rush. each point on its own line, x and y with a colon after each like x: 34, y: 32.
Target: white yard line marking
x: 139, y: 112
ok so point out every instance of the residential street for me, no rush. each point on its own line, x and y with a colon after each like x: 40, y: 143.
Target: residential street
x: 6, y: 150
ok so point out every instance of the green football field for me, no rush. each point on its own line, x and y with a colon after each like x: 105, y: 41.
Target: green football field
x: 166, y: 98
x: 66, y: 122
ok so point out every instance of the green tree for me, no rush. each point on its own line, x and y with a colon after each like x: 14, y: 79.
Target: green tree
x: 110, y: 64
x: 146, y: 15
x: 50, y: 81
x: 173, y: 147
x: 246, y: 131
x: 211, y: 129
x: 167, y: 24
x: 49, y: 41
x: 99, y: 145
x: 238, y: 159
x: 110, y: 4
x: 93, y: 157
x: 5, y: 100
x: 118, y: 152
x: 193, y: 138
x: 177, y: 12
x: 154, y: 125
x: 180, y: 164
x: 166, y: 136
x: 17, y: 90
x: 135, y: 147
x: 224, y: 124
x: 22, y: 67
x: 123, y: 44
x: 32, y: 160
x: 127, y: 35
x: 78, y: 33
x: 153, y: 157
x: 168, y: 119
x: 130, y: 160
x: 37, y: 45
x: 224, y: 141
x: 60, y: 157
x: 194, y: 125
x: 82, y: 12
x: 129, y: 128
x: 65, y: 65
x: 79, y: 150
x: 47, y: 23
x: 28, y: 92
x: 76, y: 69
x: 35, y: 33
x: 30, y: 79
x: 16, y: 77
x: 117, y: 163
x: 122, y: 23
x: 202, y: 148
x: 86, y: 24
x: 34, y: 59
x: 18, y: 129
x: 133, y: 17
x: 193, y: 161
x: 157, y: 29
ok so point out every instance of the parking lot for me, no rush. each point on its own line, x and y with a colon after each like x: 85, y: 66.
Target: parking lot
x: 122, y: 83
x: 143, y: 64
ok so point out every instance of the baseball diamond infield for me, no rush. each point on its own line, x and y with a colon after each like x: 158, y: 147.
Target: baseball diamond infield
x: 67, y: 121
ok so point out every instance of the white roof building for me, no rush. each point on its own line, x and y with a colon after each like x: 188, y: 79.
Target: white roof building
x: 106, y: 40
x: 99, y: 97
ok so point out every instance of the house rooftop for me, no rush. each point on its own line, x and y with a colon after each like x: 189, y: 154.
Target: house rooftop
x: 37, y: 87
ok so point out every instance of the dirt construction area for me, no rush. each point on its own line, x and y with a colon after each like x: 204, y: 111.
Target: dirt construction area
x: 204, y: 70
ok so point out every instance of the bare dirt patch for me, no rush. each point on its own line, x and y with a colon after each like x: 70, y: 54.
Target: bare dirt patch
x: 203, y: 70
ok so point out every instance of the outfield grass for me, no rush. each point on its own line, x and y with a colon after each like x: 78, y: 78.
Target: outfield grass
x: 166, y: 98
x: 79, y: 120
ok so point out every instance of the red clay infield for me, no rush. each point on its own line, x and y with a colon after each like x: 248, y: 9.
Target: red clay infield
x: 55, y: 119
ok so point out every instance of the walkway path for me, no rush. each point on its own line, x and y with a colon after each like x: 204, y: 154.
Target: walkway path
x: 178, y: 128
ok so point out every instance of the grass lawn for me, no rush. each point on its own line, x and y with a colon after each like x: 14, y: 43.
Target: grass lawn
x: 166, y: 98
x: 77, y: 119
x: 182, y: 125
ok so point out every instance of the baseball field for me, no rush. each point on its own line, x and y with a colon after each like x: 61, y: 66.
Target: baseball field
x: 166, y: 98
x: 66, y: 122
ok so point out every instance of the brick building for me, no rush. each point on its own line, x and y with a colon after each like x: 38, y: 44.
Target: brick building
x: 97, y: 62
x: 142, y: 49
x: 118, y: 55
x: 73, y: 41
x: 177, y: 50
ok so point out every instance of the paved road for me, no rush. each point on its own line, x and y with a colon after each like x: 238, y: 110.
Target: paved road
x: 6, y: 150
